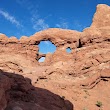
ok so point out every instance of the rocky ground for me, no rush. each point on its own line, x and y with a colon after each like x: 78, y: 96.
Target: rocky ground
x: 79, y: 80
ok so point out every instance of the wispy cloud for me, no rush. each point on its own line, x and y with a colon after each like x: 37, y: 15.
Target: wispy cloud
x: 78, y: 26
x: 37, y: 21
x: 10, y: 18
x: 28, y: 5
x: 40, y: 25
x: 63, y: 25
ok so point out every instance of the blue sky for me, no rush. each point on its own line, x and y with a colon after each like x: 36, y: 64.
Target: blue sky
x: 46, y: 47
x: 25, y: 17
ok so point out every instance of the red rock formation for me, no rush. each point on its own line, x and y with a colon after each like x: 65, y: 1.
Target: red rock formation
x: 17, y: 93
x: 79, y: 76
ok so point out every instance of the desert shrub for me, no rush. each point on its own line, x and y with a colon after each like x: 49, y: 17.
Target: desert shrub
x: 99, y: 104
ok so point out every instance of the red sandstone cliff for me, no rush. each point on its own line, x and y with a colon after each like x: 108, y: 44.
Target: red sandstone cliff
x: 81, y: 77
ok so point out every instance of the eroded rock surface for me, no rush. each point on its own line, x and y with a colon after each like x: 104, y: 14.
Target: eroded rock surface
x: 17, y: 93
x: 81, y: 76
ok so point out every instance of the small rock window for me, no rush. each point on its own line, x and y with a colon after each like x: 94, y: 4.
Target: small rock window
x: 42, y: 59
x: 68, y: 50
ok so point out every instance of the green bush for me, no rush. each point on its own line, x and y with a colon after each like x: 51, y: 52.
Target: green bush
x: 99, y: 104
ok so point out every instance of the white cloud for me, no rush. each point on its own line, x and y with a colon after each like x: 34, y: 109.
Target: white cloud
x: 10, y: 18
x: 40, y: 25
x: 37, y: 22
x: 63, y: 25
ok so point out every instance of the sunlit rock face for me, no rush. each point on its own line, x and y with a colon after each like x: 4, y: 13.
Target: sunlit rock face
x: 101, y: 17
x: 68, y: 74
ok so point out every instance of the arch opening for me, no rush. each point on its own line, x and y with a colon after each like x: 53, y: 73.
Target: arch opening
x: 68, y: 50
x: 46, y: 47
x: 42, y: 59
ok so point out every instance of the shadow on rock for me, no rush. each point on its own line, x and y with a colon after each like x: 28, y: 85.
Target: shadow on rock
x: 17, y: 93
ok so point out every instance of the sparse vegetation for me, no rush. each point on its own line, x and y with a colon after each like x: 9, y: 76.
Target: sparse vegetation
x: 99, y: 104
x: 85, y: 109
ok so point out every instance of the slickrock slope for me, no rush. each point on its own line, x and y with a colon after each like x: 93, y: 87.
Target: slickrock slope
x: 17, y: 93
x: 82, y: 77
